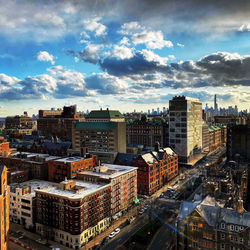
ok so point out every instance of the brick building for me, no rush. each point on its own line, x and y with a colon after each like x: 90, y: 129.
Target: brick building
x: 60, y: 168
x: 155, y: 168
x: 123, y: 181
x: 57, y: 123
x: 208, y: 225
x: 18, y: 125
x: 73, y: 211
x: 4, y: 209
x: 36, y: 164
x: 17, y: 176
x: 4, y: 147
x: 147, y: 132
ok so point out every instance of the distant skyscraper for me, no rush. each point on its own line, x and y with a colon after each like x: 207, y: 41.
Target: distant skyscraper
x: 149, y: 112
x: 158, y: 111
x: 164, y: 110
x: 215, y: 105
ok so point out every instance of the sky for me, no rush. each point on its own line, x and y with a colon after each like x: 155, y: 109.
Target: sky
x: 126, y: 55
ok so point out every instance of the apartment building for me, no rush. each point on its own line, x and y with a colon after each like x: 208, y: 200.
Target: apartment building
x: 123, y: 181
x: 147, y: 132
x: 73, y: 211
x: 36, y: 164
x: 59, y: 168
x: 23, y: 203
x: 155, y: 168
x: 57, y: 123
x: 103, y: 133
x: 4, y: 209
x: 185, y: 127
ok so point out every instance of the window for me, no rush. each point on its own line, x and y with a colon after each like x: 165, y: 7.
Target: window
x: 222, y: 236
x: 222, y: 225
x: 222, y: 246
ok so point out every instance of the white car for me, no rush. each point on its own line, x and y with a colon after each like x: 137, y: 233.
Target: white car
x: 117, y: 230
x: 113, y: 234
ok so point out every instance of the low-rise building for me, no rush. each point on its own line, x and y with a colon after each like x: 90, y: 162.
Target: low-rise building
x: 208, y: 225
x: 73, y: 211
x: 60, y: 168
x: 23, y: 203
x: 155, y: 168
x: 4, y: 147
x: 123, y: 180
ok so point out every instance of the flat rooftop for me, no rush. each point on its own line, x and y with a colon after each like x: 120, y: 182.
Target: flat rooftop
x: 112, y: 171
x: 33, y: 184
x: 83, y: 189
x: 70, y: 159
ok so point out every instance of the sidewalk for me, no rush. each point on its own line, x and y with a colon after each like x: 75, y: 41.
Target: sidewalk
x: 98, y: 239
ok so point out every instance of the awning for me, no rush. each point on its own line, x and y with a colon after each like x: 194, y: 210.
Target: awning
x: 135, y: 201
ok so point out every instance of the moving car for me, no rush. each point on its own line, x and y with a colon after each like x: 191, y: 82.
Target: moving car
x: 117, y: 230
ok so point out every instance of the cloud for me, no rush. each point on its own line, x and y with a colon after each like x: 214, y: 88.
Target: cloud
x: 125, y: 41
x: 94, y: 26
x: 91, y: 53
x: 121, y: 52
x: 152, y: 39
x: 172, y: 57
x: 244, y: 28
x: 130, y: 28
x: 180, y: 45
x: 58, y: 83
x: 45, y: 57
x: 142, y: 62
x: 106, y: 84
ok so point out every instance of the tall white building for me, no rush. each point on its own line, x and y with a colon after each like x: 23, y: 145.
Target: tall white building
x: 185, y: 127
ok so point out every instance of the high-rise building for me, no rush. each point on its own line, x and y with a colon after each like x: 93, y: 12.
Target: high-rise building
x: 185, y: 127
x: 103, y: 133
x: 4, y: 209
x: 215, y: 105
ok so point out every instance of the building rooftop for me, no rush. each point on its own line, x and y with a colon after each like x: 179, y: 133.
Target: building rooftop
x: 95, y: 125
x: 80, y: 190
x: 95, y: 114
x: 33, y: 184
x: 109, y: 171
x: 70, y: 159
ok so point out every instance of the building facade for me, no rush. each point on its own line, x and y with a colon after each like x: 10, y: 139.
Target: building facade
x: 104, y: 139
x: 147, y: 132
x: 4, y: 209
x: 123, y: 181
x: 155, y: 168
x: 57, y: 123
x: 185, y: 127
x: 210, y: 226
x: 73, y: 211
x: 23, y: 203
x: 4, y: 147
x: 60, y: 168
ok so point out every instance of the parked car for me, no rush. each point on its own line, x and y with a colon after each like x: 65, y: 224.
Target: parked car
x: 113, y: 234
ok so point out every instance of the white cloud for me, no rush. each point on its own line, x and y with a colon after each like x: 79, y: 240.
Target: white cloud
x: 152, y: 57
x: 45, y: 56
x: 122, y: 52
x: 125, y: 41
x: 94, y: 26
x: 106, y: 84
x: 8, y: 80
x: 91, y: 53
x: 172, y: 57
x: 152, y: 39
x: 130, y: 28
x: 180, y: 45
x: 244, y: 27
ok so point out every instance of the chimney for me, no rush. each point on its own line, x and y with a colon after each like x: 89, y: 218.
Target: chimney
x: 157, y: 146
x: 240, y: 208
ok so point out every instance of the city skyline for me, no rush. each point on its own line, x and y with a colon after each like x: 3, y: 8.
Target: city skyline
x: 123, y: 55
